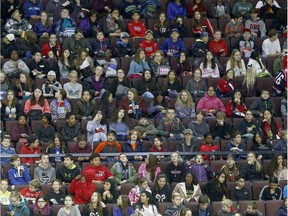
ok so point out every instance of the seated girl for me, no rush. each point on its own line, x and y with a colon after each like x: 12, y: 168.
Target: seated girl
x: 260, y: 144
x: 109, y: 192
x: 225, y: 87
x: 147, y: 86
x: 97, y: 128
x: 146, y: 205
x: 270, y: 126
x: 149, y: 169
x: 10, y: 107
x: 135, y: 193
x: 236, y: 106
x: 42, y: 207
x: 56, y: 147
x: 252, y: 169
x: 209, y: 67
x: 157, y: 107
x: 183, y: 66
x: 216, y: 189
x: 236, y: 63
x: 133, y: 144
x: 138, y: 65
x: 271, y: 191
x: 123, y: 206
x: 200, y: 24
x: 161, y: 190
x: 120, y: 124
x: 196, y: 85
x: 171, y: 85
x: 37, y: 102
x: 230, y: 169
x: 60, y: 106
x: 184, y: 106
x: 159, y: 64
x: 158, y: 147
x: 277, y: 168
x: 175, y: 169
x: 24, y: 87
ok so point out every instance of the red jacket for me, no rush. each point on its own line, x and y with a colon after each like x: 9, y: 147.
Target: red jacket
x: 99, y: 173
x: 266, y: 127
x: 208, y: 27
x: 201, y: 8
x: 229, y: 109
x: 82, y: 191
x: 208, y: 148
x: 225, y: 86
x: 149, y: 48
x: 216, y: 46
x: 137, y: 29
x: 154, y: 149
x: 46, y: 49
x: 26, y: 150
x: 25, y: 192
x: 124, y: 104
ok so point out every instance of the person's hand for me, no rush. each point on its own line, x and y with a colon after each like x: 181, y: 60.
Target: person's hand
x: 170, y: 54
x: 249, y: 129
x: 45, y: 34
x: 11, y: 213
x: 123, y: 181
x: 130, y: 111
x: 16, y: 64
x: 86, y: 158
x: 144, y: 134
x: 77, y: 177
x: 102, y: 204
x: 227, y: 136
x: 272, y: 191
x: 96, y: 93
x: 24, y: 135
x: 195, y: 6
x: 212, y: 111
x: 259, y: 157
x: 137, y: 106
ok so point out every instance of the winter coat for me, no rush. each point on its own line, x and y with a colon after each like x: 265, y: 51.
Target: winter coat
x: 207, y: 103
x: 181, y: 189
x: 59, y: 110
x: 195, y: 88
x: 75, y: 45
x: 21, y: 210
x: 67, y: 175
x: 184, y: 111
x: 198, y: 49
x: 138, y: 68
x: 176, y: 127
x: 249, y: 172
x: 121, y: 49
x: 238, y: 111
x: 124, y: 104
x: 31, y: 9
x: 216, y: 46
x: 69, y: 132
x: 201, y: 171
x: 174, y: 9
x: 117, y: 211
x: 99, y: 47
x: 83, y: 109
x: 39, y: 29
x: 136, y: 29
x: 220, y: 130
x: 224, y: 87
x: 260, y: 105
x: 117, y: 171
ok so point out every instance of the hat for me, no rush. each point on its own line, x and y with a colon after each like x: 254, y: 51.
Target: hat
x: 202, y: 34
x: 246, y: 30
x: 113, y: 132
x: 174, y: 30
x: 47, y: 116
x: 51, y: 73
x: 188, y: 131
x: 31, y: 139
x: 231, y: 155
x: 10, y: 37
x: 135, y: 11
x: 149, y: 31
x: 124, y: 35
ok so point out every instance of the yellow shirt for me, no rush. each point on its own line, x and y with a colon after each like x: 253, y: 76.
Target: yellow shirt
x: 4, y: 197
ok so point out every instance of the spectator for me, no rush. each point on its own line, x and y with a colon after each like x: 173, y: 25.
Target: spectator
x: 133, y: 144
x: 72, y: 88
x: 209, y: 146
x: 216, y: 189
x: 184, y: 106
x: 96, y: 128
x: 109, y: 64
x: 235, y: 27
x: 183, y: 66
x: 220, y: 10
x: 203, y: 206
x: 60, y: 106
x: 17, y: 205
x: 159, y: 65
x: 157, y: 107
x: 21, y: 131
x: 278, y: 63
x: 37, y: 66
x: 65, y: 63
x: 6, y: 149
x: 210, y: 104
x: 230, y: 168
x: 70, y: 129
x: 56, y: 147
x: 5, y: 193
x: 255, y: 61
x: 84, y: 64
x: 176, y: 206
x: 8, y: 9
x: 209, y: 67
x: 68, y: 171
x: 225, y: 87
x: 200, y: 47
x: 17, y: 24
x: 99, y: 45
x: 161, y: 190
x: 227, y: 208
x: 82, y: 147
x: 270, y: 126
x: 261, y: 104
x: 42, y: 28
x: 243, y: 7
x: 198, y: 23
x: 246, y: 43
x: 174, y: 45
x: 120, y: 85
x: 45, y: 131
x: 178, y: 23
x: 31, y: 147
x: 271, y: 191
x: 17, y: 174
x: 198, y: 5
x: 109, y: 192
x: 252, y: 209
x: 146, y: 128
x: 123, y: 206
x: 147, y: 86
x: 161, y: 28
x: 53, y: 45
x: 149, y: 169
x: 45, y: 173
x: 237, y: 146
x: 69, y: 207
x: 28, y: 46
x: 123, y: 48
x: 51, y: 86
x: 8, y: 43
x: 91, y: 25
x: 171, y: 85
x: 196, y: 85
x: 15, y: 66
x: 127, y: 7
x: 236, y: 63
x: 240, y: 193
x: 146, y: 205
x: 124, y: 166
x: 85, y: 107
x: 157, y: 146
x: 136, y: 27
x: 31, y: 192
x: 120, y: 124
x: 267, y: 9
x: 284, y: 105
x: 10, y: 107
x: 260, y: 144
x: 236, y: 107
x: 95, y: 200
x: 248, y: 87
x: 114, y: 24
x: 42, y: 205
x: 277, y: 168
x: 176, y: 8
x: 221, y: 129
x: 32, y: 9
x: 271, y: 46
x: 255, y: 24
x: 37, y: 102
x: 187, y: 145
x: 149, y: 45
x: 138, y: 65
x: 175, y: 169
x: 218, y: 46
x: 252, y: 169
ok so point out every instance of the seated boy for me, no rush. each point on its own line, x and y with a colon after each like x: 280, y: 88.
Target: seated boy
x: 31, y: 147
x: 203, y: 208
x: 255, y: 24
x: 235, y: 27
x: 100, y: 45
x: 271, y: 46
x: 220, y: 129
x: 21, y: 131
x: 4, y: 193
x: 261, y: 104
x: 148, y: 45
x: 146, y: 128
x: 200, y: 47
x: 218, y: 46
x: 174, y: 45
x: 240, y: 192
x: 208, y: 146
x: 123, y: 48
x: 70, y: 130
x: 252, y: 209
x: 227, y: 209
x: 45, y: 173
x: 31, y: 192
x: 176, y: 206
x: 158, y: 147
x: 18, y: 175
x: 136, y: 27
x: 68, y: 171
x: 56, y: 196
x: 72, y: 88
x: 82, y: 147
x: 46, y: 131
x: 6, y: 150
x: 246, y: 44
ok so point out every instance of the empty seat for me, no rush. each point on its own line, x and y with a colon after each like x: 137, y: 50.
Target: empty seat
x: 265, y: 83
x: 216, y: 165
x: 277, y: 106
x: 163, y: 207
x: 212, y: 82
x: 257, y: 187
x: 222, y: 24
x: 273, y: 206
x: 126, y: 187
x: 125, y: 64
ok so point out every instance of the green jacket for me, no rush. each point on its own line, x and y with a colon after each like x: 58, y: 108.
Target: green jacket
x: 117, y: 172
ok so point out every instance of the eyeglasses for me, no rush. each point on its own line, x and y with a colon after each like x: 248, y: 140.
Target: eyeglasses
x: 41, y: 201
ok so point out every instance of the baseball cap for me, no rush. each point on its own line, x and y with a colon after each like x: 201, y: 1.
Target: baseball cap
x: 188, y: 131
x: 174, y: 30
x: 124, y: 35
x: 149, y: 31
x: 202, y: 34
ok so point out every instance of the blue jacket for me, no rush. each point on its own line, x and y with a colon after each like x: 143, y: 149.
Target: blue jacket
x: 174, y: 47
x: 31, y: 9
x: 127, y: 147
x: 16, y: 179
x: 9, y: 151
x: 21, y: 210
x: 281, y: 145
x: 237, y: 156
x: 173, y: 10
x: 118, y: 211
x: 39, y: 29
x: 136, y: 68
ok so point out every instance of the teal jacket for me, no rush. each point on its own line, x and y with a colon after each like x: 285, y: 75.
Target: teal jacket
x: 117, y: 169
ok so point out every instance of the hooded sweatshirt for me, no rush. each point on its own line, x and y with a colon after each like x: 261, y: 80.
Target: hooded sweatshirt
x: 198, y: 49
x: 136, y: 29
x: 122, y: 49
x: 257, y: 26
x: 149, y: 47
x: 18, y: 178
x: 162, y: 195
x: 207, y: 103
x: 8, y: 151
x: 45, y: 175
x: 174, y: 47
x: 173, y: 210
x: 67, y: 175
x: 20, y: 210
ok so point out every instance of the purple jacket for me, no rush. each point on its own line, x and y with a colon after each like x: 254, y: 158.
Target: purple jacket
x: 85, y: 25
x: 39, y: 29
x: 201, y: 172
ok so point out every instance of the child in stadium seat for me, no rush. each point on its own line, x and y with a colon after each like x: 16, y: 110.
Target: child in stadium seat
x: 56, y: 147
x: 69, y: 207
x: 109, y: 192
x: 147, y: 129
x: 227, y: 209
x: 148, y: 45
x: 236, y: 145
x: 68, y: 171
x: 239, y: 192
x: 31, y: 147
x: 248, y: 127
x: 235, y: 27
x: 252, y: 210
x: 236, y: 63
x: 270, y: 126
x: 171, y: 85
x: 45, y: 173
x: 255, y: 24
x: 149, y: 169
x: 123, y: 48
x: 82, y: 147
x: 271, y: 46
x: 199, y: 48
x: 203, y: 208
x: 60, y: 105
x: 6, y: 149
x: 216, y: 189
x: 95, y: 206
x: 260, y: 144
x: 72, y: 88
x: 187, y: 145
x: 277, y: 168
x: 236, y: 107
x: 136, y: 27
x: 175, y: 169
x: 271, y: 191
x: 161, y: 190
x: 133, y: 144
x: 198, y: 126
x: 246, y: 43
x: 135, y: 192
x: 99, y: 45
x: 17, y: 205
x: 45, y: 131
x: 120, y: 123
x: 252, y: 170
x: 4, y: 193
x: 230, y: 168
x: 162, y: 27
x: 178, y: 23
x: 200, y: 24
x: 209, y: 146
x: 281, y: 145
x: 31, y: 192
x: 56, y: 196
x: 97, y: 128
x: 123, y: 204
x: 158, y: 147
x: 138, y: 65
x: 184, y: 106
x: 17, y: 174
x: 218, y: 46
x: 225, y: 87
x: 220, y: 129
x: 85, y: 107
x: 70, y: 129
x: 176, y: 206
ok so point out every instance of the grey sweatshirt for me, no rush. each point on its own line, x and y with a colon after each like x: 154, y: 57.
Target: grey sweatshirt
x: 45, y: 175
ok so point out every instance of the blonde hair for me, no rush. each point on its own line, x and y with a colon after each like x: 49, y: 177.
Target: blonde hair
x: 227, y: 202
x: 250, y: 78
x: 175, y: 195
x: 35, y: 183
x: 257, y: 164
x: 181, y: 103
x: 233, y: 63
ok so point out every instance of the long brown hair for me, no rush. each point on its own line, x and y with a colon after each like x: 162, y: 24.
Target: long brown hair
x: 152, y: 165
x: 6, y: 102
x: 137, y: 55
x: 41, y: 100
x: 62, y: 145
x: 135, y: 92
x: 125, y: 204
x: 98, y: 205
x: 125, y: 119
x: 79, y: 61
x: 166, y: 22
x: 47, y: 23
x: 233, y: 63
x: 205, y: 61
x: 166, y: 80
x: 198, y: 23
x: 28, y: 82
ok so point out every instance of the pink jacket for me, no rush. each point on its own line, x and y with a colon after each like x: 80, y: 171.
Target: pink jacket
x: 134, y: 194
x: 44, y: 109
x: 207, y: 103
x: 143, y: 173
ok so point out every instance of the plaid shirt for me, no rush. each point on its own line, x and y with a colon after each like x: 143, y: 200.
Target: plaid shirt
x: 14, y: 26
